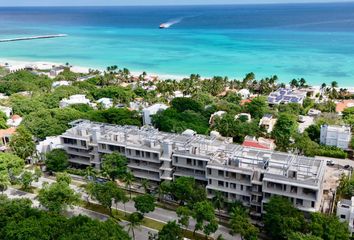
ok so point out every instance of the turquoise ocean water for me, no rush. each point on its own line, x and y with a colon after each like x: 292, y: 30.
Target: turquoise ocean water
x: 314, y: 41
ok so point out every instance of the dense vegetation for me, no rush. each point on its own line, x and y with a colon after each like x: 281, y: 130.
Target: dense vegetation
x: 19, y: 221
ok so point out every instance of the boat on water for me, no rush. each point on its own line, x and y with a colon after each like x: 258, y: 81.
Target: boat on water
x: 164, y: 25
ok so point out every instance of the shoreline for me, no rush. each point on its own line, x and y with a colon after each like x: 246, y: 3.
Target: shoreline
x: 44, y: 65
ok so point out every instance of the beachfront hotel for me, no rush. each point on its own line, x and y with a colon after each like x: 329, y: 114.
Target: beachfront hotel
x: 248, y: 175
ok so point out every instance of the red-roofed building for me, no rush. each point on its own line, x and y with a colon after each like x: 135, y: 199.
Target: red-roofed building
x: 260, y: 143
x: 343, y: 105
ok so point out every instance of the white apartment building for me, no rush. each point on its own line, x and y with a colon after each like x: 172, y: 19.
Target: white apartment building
x: 338, y: 136
x: 249, y: 175
x: 345, y: 212
x: 152, y: 110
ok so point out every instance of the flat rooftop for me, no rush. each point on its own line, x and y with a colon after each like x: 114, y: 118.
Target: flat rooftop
x: 215, y: 151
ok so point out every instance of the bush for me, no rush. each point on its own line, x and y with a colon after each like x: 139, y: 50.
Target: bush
x: 333, y: 152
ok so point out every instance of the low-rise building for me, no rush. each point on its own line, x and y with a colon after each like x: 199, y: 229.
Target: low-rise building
x: 56, y: 70
x: 74, y: 99
x: 60, y: 83
x: 14, y: 121
x: 105, y: 102
x: 268, y: 122
x: 5, y: 137
x: 244, y: 93
x: 338, y: 136
x: 284, y: 95
x: 47, y: 145
x: 245, y: 116
x: 314, y: 112
x: 260, y: 143
x: 342, y: 105
x: 243, y: 174
x: 152, y: 110
x: 216, y: 114
x: 6, y: 110
x: 345, y: 212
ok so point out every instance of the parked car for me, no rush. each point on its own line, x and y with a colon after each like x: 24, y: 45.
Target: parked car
x: 330, y: 163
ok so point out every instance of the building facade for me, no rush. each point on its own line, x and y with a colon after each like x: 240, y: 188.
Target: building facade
x: 345, y: 212
x: 338, y: 136
x: 249, y: 175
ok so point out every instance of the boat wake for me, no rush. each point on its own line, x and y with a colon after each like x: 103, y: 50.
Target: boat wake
x: 170, y: 23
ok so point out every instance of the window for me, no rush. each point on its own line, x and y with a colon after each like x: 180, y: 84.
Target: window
x: 148, y: 155
x: 241, y: 187
x: 221, y: 173
x: 227, y: 184
x: 155, y: 156
x: 342, y: 216
x: 176, y: 159
x: 70, y: 141
x: 200, y: 164
x: 210, y: 181
x: 83, y: 143
x: 220, y: 183
x: 209, y: 171
x: 227, y: 174
x: 189, y: 161
x: 103, y: 146
x: 312, y: 204
x: 299, y: 202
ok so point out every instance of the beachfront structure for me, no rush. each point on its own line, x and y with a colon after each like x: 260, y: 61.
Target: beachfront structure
x: 284, y: 95
x: 260, y: 143
x: 345, y: 212
x: 338, y: 136
x: 152, y: 110
x: 248, y: 175
x: 56, y: 70
x: 74, y: 99
x: 6, y: 110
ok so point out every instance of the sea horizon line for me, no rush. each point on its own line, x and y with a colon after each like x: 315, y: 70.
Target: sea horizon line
x: 182, y: 5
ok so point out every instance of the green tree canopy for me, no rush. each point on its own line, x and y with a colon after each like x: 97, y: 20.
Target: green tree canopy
x: 22, y: 143
x: 114, y: 165
x: 57, y: 160
x: 144, y: 203
x: 170, y: 231
x: 281, y: 218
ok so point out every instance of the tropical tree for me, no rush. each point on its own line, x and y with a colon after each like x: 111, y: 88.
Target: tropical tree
x: 145, y: 184
x: 26, y: 180
x: 114, y: 165
x: 57, y: 160
x: 144, y: 203
x: 218, y: 200
x: 129, y: 179
x: 22, y: 143
x: 135, y: 219
x: 281, y: 218
x: 4, y: 182
x: 56, y: 197
x: 204, y: 215
x: 90, y: 173
x: 240, y: 223
x: 170, y: 231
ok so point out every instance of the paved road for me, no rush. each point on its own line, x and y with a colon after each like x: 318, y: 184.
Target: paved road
x: 141, y: 233
x: 159, y: 214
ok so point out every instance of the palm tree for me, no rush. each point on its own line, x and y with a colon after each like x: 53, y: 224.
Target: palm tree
x: 128, y: 179
x: 4, y: 182
x: 90, y: 173
x: 334, y: 92
x: 294, y: 83
x: 145, y: 184
x: 218, y: 200
x: 135, y: 219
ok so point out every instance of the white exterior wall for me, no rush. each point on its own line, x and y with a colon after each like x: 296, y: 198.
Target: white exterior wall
x: 150, y: 111
x: 161, y: 156
x: 338, y: 136
x: 345, y: 213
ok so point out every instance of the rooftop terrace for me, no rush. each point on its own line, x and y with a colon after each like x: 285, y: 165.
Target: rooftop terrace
x: 214, y: 151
